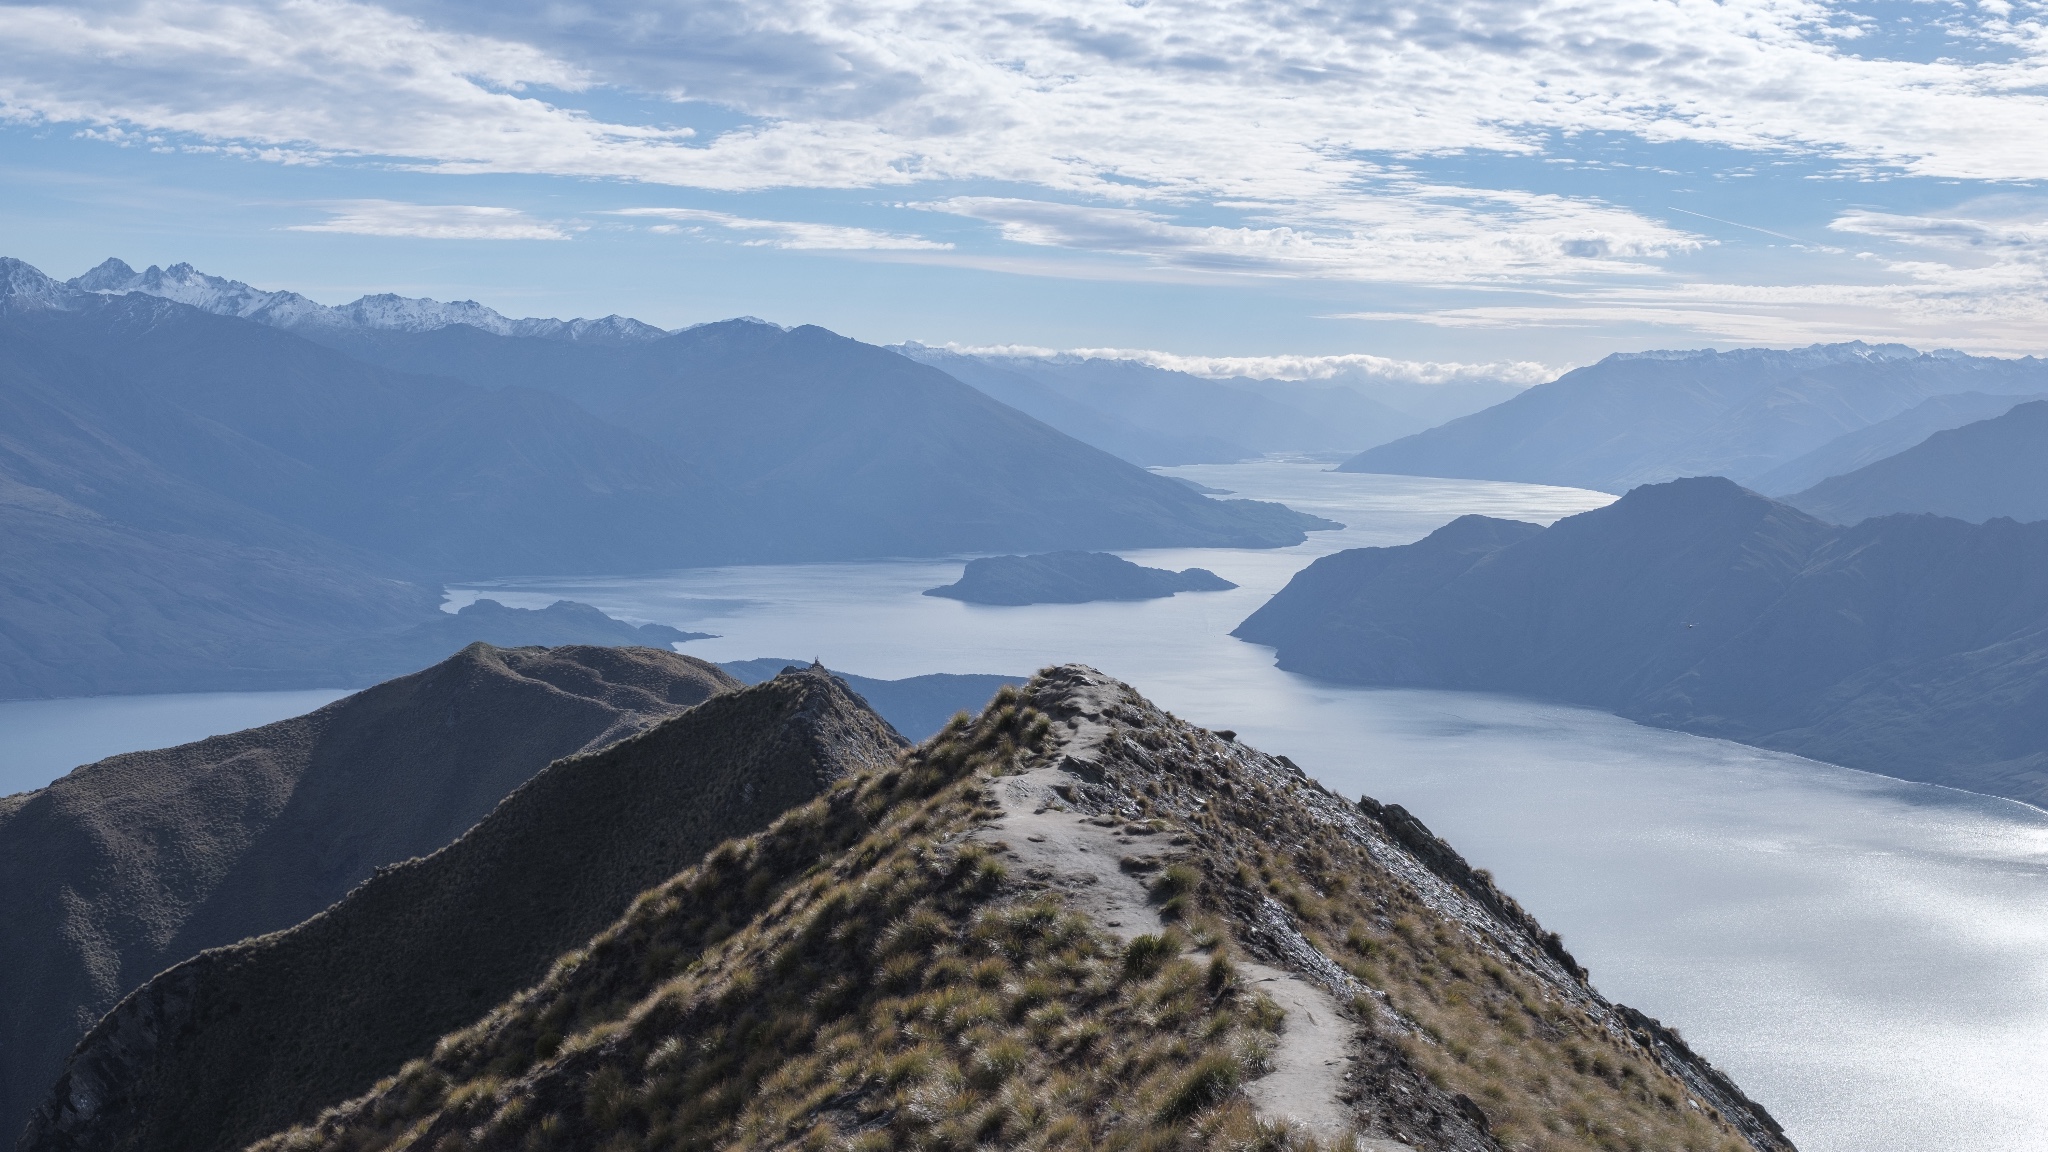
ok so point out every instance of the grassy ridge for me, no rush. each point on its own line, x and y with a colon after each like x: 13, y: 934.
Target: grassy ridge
x: 862, y: 974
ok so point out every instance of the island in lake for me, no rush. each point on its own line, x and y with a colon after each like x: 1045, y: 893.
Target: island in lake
x: 1072, y: 578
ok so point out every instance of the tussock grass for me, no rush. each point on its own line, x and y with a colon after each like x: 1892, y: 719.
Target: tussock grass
x: 859, y: 976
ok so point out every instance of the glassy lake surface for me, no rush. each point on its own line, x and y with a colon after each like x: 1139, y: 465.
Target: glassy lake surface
x: 41, y: 740
x: 1868, y: 958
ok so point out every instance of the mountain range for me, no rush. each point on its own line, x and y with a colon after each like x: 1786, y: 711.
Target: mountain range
x: 1992, y: 468
x: 1155, y: 416
x: 1910, y: 645
x: 1072, y: 920
x: 213, y: 500
x: 1642, y: 418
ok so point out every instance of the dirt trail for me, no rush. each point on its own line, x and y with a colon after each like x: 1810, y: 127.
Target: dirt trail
x: 1082, y: 856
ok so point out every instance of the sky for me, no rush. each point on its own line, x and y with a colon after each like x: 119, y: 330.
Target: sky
x: 1491, y: 187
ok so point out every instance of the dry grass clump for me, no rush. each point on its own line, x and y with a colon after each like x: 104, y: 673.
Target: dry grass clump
x: 1545, y: 1073
x: 854, y: 977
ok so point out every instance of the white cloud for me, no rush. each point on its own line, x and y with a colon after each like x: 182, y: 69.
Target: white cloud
x: 1425, y: 235
x: 1197, y: 137
x: 432, y: 222
x: 789, y: 234
x: 1210, y: 99
x: 1287, y: 366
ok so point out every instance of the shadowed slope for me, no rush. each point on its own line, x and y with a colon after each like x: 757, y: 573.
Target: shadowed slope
x: 1642, y: 418
x: 1908, y: 645
x: 241, y: 1040
x: 1076, y: 922
x: 127, y: 866
x: 1978, y: 472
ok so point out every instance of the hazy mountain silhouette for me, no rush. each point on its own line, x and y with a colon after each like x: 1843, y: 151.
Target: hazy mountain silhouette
x: 1042, y: 921
x: 1643, y: 418
x: 1853, y: 450
x: 1071, y: 578
x: 198, y: 500
x: 847, y: 449
x: 125, y: 867
x: 1996, y: 467
x: 1153, y: 416
x: 1908, y: 645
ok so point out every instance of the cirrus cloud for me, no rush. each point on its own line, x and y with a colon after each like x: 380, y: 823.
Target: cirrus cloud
x: 432, y: 222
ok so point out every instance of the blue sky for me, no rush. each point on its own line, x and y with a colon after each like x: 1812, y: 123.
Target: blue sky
x: 1510, y: 187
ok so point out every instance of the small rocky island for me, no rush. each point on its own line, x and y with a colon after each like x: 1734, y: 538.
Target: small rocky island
x: 1072, y: 578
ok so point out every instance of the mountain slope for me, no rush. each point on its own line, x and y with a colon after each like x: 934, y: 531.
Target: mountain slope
x: 1995, y: 467
x: 127, y: 866
x: 1853, y: 450
x: 214, y: 426
x: 916, y: 706
x: 952, y: 954
x: 1648, y: 417
x: 1907, y: 645
x: 848, y: 449
x: 1153, y: 416
x: 208, y: 1055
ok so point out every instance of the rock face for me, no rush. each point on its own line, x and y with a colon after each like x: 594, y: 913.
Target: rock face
x: 1907, y: 645
x: 1072, y: 578
x: 1076, y: 920
x: 1978, y: 472
x: 128, y: 866
x: 241, y: 1040
x: 1644, y: 418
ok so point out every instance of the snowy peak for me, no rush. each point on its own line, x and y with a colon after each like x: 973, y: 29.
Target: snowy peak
x: 384, y: 311
x: 1811, y: 355
x: 24, y: 286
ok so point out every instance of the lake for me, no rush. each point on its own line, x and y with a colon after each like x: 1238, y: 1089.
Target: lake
x: 1867, y: 957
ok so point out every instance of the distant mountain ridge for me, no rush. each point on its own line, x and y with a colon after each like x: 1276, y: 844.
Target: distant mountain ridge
x: 1996, y: 467
x: 1648, y: 417
x: 1909, y: 645
x: 205, y: 499
x: 385, y: 311
x: 1156, y: 417
x: 1853, y: 450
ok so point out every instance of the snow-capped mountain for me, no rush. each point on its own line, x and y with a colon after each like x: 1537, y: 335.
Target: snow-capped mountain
x: 386, y: 311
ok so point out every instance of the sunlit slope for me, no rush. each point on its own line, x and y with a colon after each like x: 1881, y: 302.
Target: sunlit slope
x: 1073, y: 922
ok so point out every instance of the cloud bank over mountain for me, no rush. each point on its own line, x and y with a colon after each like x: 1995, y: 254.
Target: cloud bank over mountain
x: 1374, y: 142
